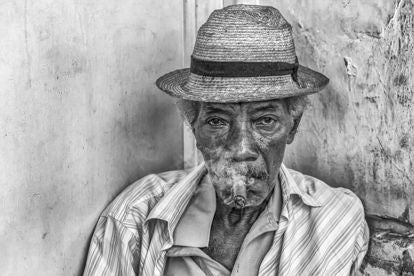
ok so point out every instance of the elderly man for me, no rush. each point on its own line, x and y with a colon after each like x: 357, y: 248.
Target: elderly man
x: 242, y: 212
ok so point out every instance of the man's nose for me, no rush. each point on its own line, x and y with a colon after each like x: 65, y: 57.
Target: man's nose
x: 244, y: 147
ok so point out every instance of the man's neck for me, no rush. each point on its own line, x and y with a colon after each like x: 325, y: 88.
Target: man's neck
x: 229, y: 228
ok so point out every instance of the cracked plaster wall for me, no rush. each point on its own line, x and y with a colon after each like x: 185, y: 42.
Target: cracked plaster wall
x: 358, y: 133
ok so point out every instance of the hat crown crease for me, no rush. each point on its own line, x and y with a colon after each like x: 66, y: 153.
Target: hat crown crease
x: 245, y: 33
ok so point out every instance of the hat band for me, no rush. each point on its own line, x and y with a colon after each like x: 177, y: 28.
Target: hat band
x: 236, y: 69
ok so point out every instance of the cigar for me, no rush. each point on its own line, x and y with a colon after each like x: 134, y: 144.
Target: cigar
x: 239, y: 193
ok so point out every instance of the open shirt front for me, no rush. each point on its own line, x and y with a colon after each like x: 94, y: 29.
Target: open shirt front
x: 192, y: 233
x: 321, y: 230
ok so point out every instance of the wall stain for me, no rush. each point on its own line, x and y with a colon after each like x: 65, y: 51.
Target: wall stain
x: 405, y: 216
x: 407, y: 264
x: 400, y: 80
x: 404, y: 141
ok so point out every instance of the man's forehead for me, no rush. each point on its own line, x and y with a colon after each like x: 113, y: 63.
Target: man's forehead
x: 277, y: 104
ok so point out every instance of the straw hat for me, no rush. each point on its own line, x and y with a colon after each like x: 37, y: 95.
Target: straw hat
x: 243, y: 53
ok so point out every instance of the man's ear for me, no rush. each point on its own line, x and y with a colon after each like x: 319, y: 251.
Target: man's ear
x: 292, y: 133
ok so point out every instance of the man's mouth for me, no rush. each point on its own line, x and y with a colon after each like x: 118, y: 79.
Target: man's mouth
x: 239, y: 193
x: 239, y: 201
x: 239, y: 181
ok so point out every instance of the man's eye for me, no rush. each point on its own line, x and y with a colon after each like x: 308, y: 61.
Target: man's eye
x: 216, y: 122
x: 265, y: 121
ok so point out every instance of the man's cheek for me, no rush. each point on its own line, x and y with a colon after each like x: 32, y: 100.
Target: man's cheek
x: 262, y: 141
x: 212, y: 149
x: 223, y: 187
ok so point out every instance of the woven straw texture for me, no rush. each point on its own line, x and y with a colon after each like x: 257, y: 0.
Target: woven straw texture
x: 243, y: 33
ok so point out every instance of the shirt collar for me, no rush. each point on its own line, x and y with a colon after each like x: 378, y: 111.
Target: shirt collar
x: 173, y: 204
x: 297, y: 185
x: 189, y: 206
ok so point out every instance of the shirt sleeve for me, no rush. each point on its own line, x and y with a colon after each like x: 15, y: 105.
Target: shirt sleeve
x: 361, y: 248
x: 113, y: 250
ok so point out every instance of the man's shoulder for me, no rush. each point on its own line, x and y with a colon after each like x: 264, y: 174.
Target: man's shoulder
x: 137, y: 200
x: 337, y: 223
x: 334, y: 198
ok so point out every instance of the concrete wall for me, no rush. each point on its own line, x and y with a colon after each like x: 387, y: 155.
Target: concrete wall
x: 80, y: 118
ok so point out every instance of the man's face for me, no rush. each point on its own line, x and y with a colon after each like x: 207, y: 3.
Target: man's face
x: 244, y: 143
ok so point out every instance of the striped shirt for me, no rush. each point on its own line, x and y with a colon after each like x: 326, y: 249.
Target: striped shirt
x: 321, y: 231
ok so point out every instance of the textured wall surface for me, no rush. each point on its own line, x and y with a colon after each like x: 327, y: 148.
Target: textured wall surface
x: 80, y: 118
x: 359, y: 131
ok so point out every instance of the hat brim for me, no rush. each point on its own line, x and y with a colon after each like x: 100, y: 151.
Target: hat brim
x: 183, y: 84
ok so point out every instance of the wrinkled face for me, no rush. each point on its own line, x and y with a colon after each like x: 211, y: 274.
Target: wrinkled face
x: 243, y: 146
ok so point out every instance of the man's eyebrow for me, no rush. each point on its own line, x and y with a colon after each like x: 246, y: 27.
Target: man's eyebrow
x: 266, y: 106
x: 219, y: 109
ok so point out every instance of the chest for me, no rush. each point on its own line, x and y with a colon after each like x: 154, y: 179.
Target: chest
x: 225, y: 244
